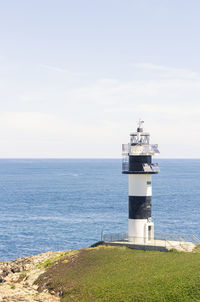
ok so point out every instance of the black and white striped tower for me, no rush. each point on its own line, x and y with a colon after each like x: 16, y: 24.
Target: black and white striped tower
x: 137, y: 163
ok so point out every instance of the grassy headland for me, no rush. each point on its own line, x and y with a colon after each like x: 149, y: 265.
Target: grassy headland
x: 120, y: 274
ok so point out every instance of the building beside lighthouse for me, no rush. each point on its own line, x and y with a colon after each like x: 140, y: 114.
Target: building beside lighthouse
x: 137, y: 163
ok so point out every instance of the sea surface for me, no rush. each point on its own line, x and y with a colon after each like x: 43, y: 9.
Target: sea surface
x: 64, y: 204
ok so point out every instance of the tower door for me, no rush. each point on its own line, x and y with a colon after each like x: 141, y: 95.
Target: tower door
x: 149, y: 232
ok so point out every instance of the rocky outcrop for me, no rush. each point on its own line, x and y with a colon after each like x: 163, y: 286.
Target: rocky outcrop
x: 17, y: 278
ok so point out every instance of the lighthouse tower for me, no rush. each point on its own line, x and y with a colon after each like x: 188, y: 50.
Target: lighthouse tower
x: 137, y: 163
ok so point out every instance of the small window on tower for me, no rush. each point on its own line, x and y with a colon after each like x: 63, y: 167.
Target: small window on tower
x: 148, y: 182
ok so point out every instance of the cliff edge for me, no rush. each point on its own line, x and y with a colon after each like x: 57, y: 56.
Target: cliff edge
x: 102, y: 273
x: 17, y: 278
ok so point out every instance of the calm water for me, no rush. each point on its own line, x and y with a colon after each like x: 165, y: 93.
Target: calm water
x: 65, y: 204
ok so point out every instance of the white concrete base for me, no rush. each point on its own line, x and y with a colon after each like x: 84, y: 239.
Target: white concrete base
x: 140, y: 231
x: 182, y: 246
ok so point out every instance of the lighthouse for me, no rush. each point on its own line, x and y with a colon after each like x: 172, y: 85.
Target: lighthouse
x: 137, y: 163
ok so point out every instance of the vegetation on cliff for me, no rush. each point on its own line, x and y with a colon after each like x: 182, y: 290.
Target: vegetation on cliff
x: 120, y: 274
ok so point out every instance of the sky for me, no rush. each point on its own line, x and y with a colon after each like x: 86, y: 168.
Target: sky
x: 75, y: 76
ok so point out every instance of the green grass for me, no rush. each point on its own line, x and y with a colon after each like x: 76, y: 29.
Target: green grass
x: 51, y: 261
x: 109, y: 274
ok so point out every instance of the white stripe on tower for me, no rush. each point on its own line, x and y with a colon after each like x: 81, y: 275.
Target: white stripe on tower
x: 140, y: 194
x: 140, y: 184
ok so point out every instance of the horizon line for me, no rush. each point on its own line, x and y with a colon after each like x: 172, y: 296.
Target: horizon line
x: 92, y: 158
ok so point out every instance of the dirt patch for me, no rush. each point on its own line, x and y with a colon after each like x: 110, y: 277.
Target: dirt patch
x: 57, y: 279
x: 62, y: 278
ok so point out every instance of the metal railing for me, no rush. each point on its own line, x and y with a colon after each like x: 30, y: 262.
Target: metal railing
x: 115, y: 237
x: 176, y: 237
x: 167, y: 240
x: 125, y: 149
x: 139, y: 149
x: 125, y: 165
x: 153, y: 167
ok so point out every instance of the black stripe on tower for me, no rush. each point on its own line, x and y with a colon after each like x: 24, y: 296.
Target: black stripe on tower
x: 139, y: 207
x: 136, y: 162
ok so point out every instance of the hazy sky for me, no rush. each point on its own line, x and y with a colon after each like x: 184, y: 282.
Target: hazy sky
x: 75, y: 76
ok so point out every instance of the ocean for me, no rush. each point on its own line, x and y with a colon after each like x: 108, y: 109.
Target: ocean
x: 62, y: 204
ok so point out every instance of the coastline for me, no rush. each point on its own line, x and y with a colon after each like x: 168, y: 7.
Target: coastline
x: 101, y: 273
x: 17, y: 278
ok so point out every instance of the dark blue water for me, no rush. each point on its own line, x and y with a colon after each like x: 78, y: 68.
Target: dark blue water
x: 65, y: 204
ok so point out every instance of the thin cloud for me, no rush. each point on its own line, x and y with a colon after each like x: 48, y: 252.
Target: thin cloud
x: 109, y: 81
x: 31, y: 98
x: 54, y: 68
x: 63, y: 70
x: 168, y: 71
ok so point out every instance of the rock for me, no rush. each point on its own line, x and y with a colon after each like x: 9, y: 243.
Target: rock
x: 17, y: 279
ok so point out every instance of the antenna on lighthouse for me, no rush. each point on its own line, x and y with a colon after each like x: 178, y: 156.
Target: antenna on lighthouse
x: 140, y: 122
